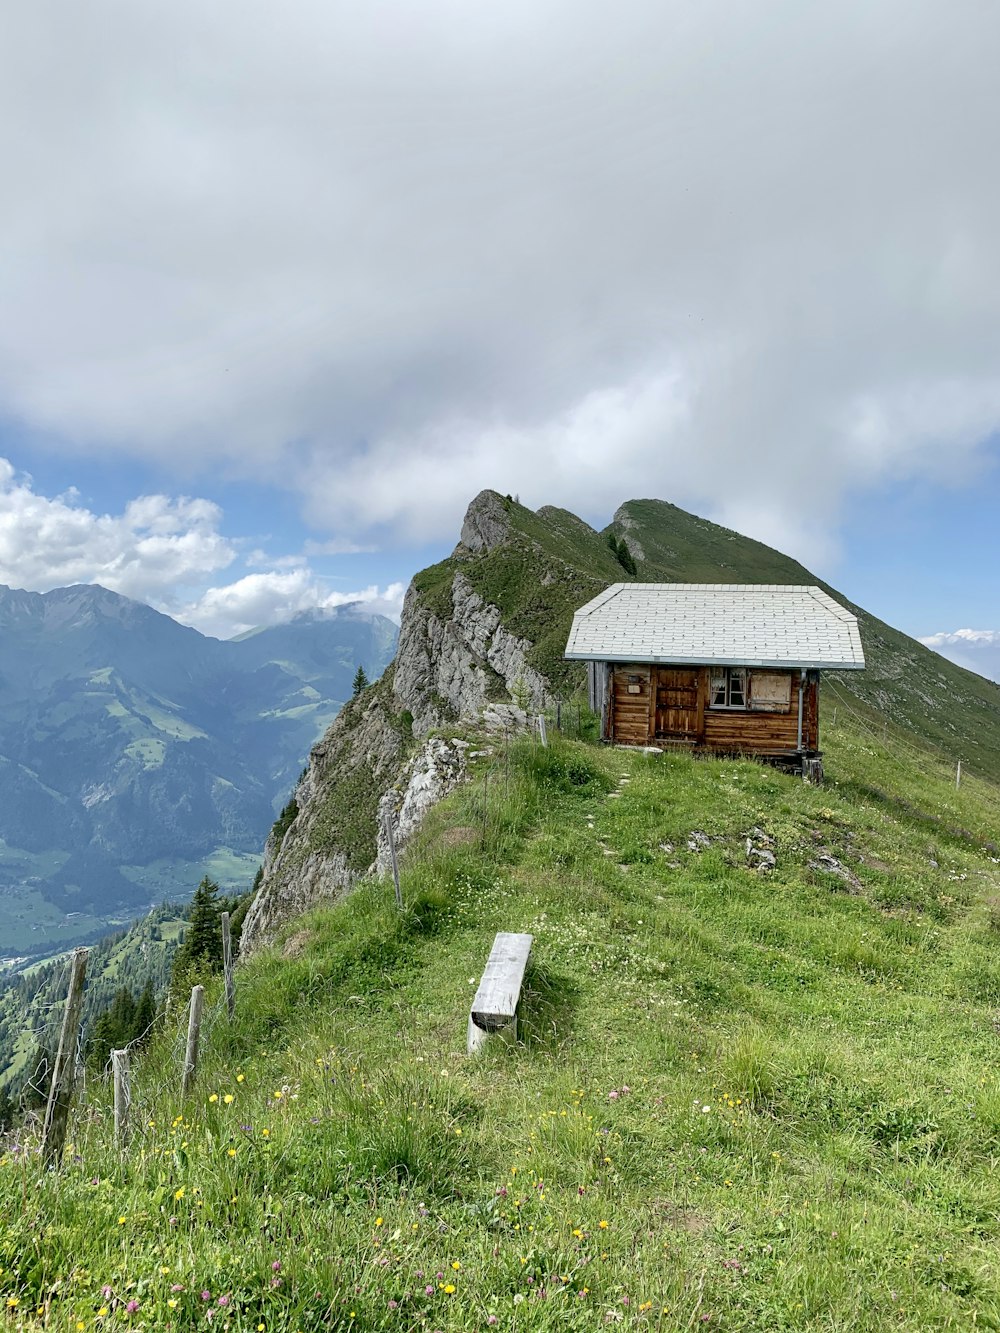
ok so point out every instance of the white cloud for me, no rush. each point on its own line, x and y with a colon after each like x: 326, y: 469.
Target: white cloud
x: 162, y: 551
x: 267, y: 599
x: 383, y: 255
x: 976, y: 649
x: 154, y: 545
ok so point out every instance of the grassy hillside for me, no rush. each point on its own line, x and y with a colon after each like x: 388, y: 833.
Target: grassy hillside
x: 30, y: 1008
x: 742, y: 1100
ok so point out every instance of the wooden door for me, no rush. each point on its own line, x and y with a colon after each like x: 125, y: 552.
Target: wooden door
x: 678, y: 709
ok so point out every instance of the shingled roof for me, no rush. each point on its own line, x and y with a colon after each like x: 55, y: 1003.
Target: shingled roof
x: 717, y: 624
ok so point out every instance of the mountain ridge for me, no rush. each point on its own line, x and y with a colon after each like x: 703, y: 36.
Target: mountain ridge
x: 488, y: 625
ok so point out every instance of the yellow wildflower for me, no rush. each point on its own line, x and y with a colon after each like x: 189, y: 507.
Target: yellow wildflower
x: 214, y: 1097
x: 228, y: 1098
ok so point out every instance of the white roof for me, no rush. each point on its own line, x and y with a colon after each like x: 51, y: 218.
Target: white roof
x: 717, y: 624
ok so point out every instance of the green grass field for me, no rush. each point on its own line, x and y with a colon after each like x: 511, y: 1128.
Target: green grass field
x: 740, y: 1101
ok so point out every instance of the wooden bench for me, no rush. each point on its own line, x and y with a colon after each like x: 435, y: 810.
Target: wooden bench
x: 495, y: 1007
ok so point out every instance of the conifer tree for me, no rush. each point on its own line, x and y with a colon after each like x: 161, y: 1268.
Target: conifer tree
x: 360, y: 681
x: 626, y: 559
x: 145, y: 1013
x: 200, y: 956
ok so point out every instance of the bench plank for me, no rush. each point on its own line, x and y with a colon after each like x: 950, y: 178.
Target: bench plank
x: 495, y: 1005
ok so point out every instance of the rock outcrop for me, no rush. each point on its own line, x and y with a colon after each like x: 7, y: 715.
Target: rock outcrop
x: 456, y: 661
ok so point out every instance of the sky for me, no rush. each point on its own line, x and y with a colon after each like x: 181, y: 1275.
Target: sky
x: 282, y: 287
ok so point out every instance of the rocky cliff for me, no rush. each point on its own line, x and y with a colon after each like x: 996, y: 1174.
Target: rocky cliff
x: 458, y: 660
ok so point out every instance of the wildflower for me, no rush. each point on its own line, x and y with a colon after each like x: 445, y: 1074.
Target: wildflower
x: 578, y: 1233
x: 131, y: 1306
x: 449, y: 1288
x: 214, y: 1097
x: 171, y: 1304
x: 223, y: 1300
x: 239, y: 1078
x: 102, y: 1312
x: 12, y: 1302
x: 492, y: 1319
x: 179, y: 1193
x: 456, y: 1265
x: 277, y: 1095
x: 394, y: 1305
x: 121, y: 1221
x: 276, y: 1266
x: 206, y: 1295
x: 379, y: 1221
x: 603, y: 1224
x: 178, y: 1286
x: 228, y: 1099
x: 232, y: 1152
x: 428, y: 1290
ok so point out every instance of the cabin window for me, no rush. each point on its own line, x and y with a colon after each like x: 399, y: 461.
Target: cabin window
x: 729, y: 687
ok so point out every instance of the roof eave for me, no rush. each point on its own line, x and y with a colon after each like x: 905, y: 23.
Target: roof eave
x: 777, y: 664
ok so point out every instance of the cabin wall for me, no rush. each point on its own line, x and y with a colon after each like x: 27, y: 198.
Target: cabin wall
x: 647, y: 704
x: 631, y: 696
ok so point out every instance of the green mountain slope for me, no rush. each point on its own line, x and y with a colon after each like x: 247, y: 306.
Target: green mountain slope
x: 550, y: 562
x: 742, y: 1100
x: 135, y: 751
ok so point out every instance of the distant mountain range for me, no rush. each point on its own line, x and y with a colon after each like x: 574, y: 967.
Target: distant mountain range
x: 137, y: 754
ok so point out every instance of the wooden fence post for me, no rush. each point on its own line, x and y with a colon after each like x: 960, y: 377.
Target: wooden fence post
x: 558, y: 715
x: 64, y: 1070
x: 391, y: 840
x: 123, y: 1097
x: 958, y: 775
x: 227, y: 966
x: 541, y: 731
x: 194, y: 1031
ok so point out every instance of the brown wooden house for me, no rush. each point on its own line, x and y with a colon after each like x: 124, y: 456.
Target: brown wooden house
x: 730, y: 668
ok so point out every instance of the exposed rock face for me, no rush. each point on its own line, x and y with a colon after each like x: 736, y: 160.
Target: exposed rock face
x: 448, y: 669
x: 624, y: 520
x: 332, y: 839
x: 435, y: 770
x: 467, y: 666
x: 486, y: 523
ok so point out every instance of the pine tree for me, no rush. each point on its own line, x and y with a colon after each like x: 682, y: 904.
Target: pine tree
x: 6, y: 1109
x: 200, y: 956
x: 360, y: 681
x: 145, y: 1014
x: 626, y: 559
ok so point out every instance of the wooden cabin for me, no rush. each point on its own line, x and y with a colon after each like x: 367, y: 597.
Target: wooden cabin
x: 720, y: 667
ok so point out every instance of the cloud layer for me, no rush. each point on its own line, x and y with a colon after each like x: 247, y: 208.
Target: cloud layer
x: 383, y: 255
x: 162, y: 551
x: 977, y: 649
